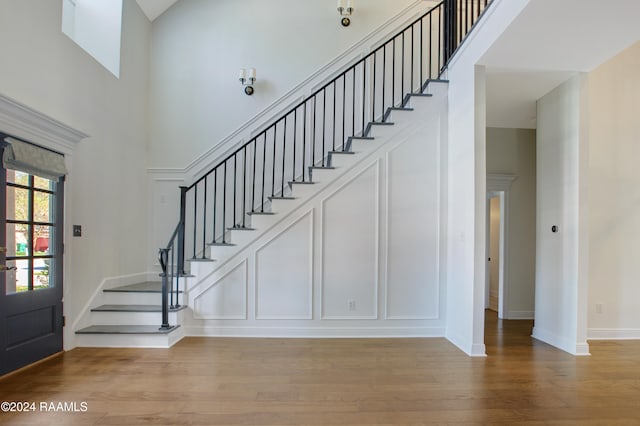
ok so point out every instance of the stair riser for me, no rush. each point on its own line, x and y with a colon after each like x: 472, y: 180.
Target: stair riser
x: 138, y: 318
x: 419, y: 101
x: 323, y: 175
x: 260, y: 222
x: 111, y: 298
x: 221, y: 252
x: 362, y: 146
x: 342, y: 160
x: 126, y: 340
x: 281, y: 206
x: 305, y: 191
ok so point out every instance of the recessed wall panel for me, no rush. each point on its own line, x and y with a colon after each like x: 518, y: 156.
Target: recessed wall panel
x: 350, y: 248
x: 226, y: 298
x: 284, y: 273
x: 412, y: 230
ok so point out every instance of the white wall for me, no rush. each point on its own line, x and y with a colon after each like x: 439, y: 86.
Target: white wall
x: 614, y: 197
x: 466, y: 181
x: 373, y: 236
x: 513, y: 152
x: 560, y: 282
x: 45, y: 70
x: 200, y: 45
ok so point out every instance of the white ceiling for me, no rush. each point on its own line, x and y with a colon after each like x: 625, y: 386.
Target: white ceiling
x: 155, y: 8
x: 555, y: 40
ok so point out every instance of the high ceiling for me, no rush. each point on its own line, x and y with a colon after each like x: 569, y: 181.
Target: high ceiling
x: 550, y: 41
x: 155, y: 8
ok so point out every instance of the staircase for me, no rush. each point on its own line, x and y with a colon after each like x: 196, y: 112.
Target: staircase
x: 382, y: 98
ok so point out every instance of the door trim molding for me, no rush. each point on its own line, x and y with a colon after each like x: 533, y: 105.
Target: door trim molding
x: 24, y: 122
x: 500, y: 185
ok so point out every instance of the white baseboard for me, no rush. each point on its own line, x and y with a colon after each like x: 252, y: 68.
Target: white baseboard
x: 313, y: 332
x: 613, y: 334
x: 574, y: 348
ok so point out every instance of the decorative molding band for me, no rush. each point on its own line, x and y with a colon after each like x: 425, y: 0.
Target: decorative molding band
x: 258, y: 122
x: 27, y: 123
x: 613, y: 334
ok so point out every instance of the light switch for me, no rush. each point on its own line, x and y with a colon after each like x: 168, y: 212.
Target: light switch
x: 77, y: 230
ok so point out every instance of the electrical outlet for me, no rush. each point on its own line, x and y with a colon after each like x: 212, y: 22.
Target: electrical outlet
x: 352, y: 305
x: 598, y: 308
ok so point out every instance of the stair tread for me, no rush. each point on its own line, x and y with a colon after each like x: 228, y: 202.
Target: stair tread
x: 144, y: 287
x: 382, y: 123
x: 306, y: 182
x: 133, y: 308
x: 200, y: 259
x: 282, y: 198
x: 341, y: 152
x: 125, y: 329
x: 241, y: 228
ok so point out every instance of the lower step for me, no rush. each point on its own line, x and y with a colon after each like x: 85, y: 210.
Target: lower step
x: 126, y: 329
x: 141, y: 336
x: 133, y: 314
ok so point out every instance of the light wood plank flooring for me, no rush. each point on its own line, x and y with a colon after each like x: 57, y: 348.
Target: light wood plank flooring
x: 211, y: 381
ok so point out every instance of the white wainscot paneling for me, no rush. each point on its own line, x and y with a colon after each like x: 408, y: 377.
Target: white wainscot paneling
x: 284, y: 273
x: 412, y: 290
x: 226, y: 298
x: 350, y: 248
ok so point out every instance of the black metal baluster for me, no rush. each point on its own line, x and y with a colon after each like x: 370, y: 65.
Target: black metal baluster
x: 364, y: 93
x: 264, y: 166
x: 430, y: 38
x: 402, y: 72
x: 335, y: 110
x: 204, y: 219
x: 313, y: 131
x: 224, y: 204
x: 373, y: 106
x: 353, y: 101
x: 244, y: 187
x: 344, y: 112
x: 253, y: 177
x: 411, y: 89
x: 384, y: 77
x: 295, y: 134
x: 215, y: 211
x: 195, y: 222
x: 284, y: 153
x: 393, y: 72
x: 235, y: 192
x: 324, y: 115
x: 304, y: 140
x: 421, y: 51
x: 273, y: 162
x: 440, y: 27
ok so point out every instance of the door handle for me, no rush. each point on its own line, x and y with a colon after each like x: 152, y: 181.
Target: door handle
x: 5, y: 268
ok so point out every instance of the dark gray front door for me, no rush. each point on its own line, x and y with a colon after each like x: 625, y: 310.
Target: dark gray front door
x: 31, y: 268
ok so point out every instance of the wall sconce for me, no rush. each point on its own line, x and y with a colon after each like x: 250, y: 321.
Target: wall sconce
x: 247, y: 79
x: 345, y: 8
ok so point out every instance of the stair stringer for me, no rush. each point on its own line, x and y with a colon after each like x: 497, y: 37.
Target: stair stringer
x: 238, y: 298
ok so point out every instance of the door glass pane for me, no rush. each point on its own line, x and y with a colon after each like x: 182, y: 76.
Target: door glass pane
x: 17, y: 275
x: 41, y: 273
x: 15, y: 176
x: 41, y: 240
x: 17, y: 203
x: 42, y: 183
x: 42, y: 207
x: 17, y: 239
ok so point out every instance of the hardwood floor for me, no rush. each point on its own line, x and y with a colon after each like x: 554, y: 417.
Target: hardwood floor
x: 211, y: 381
